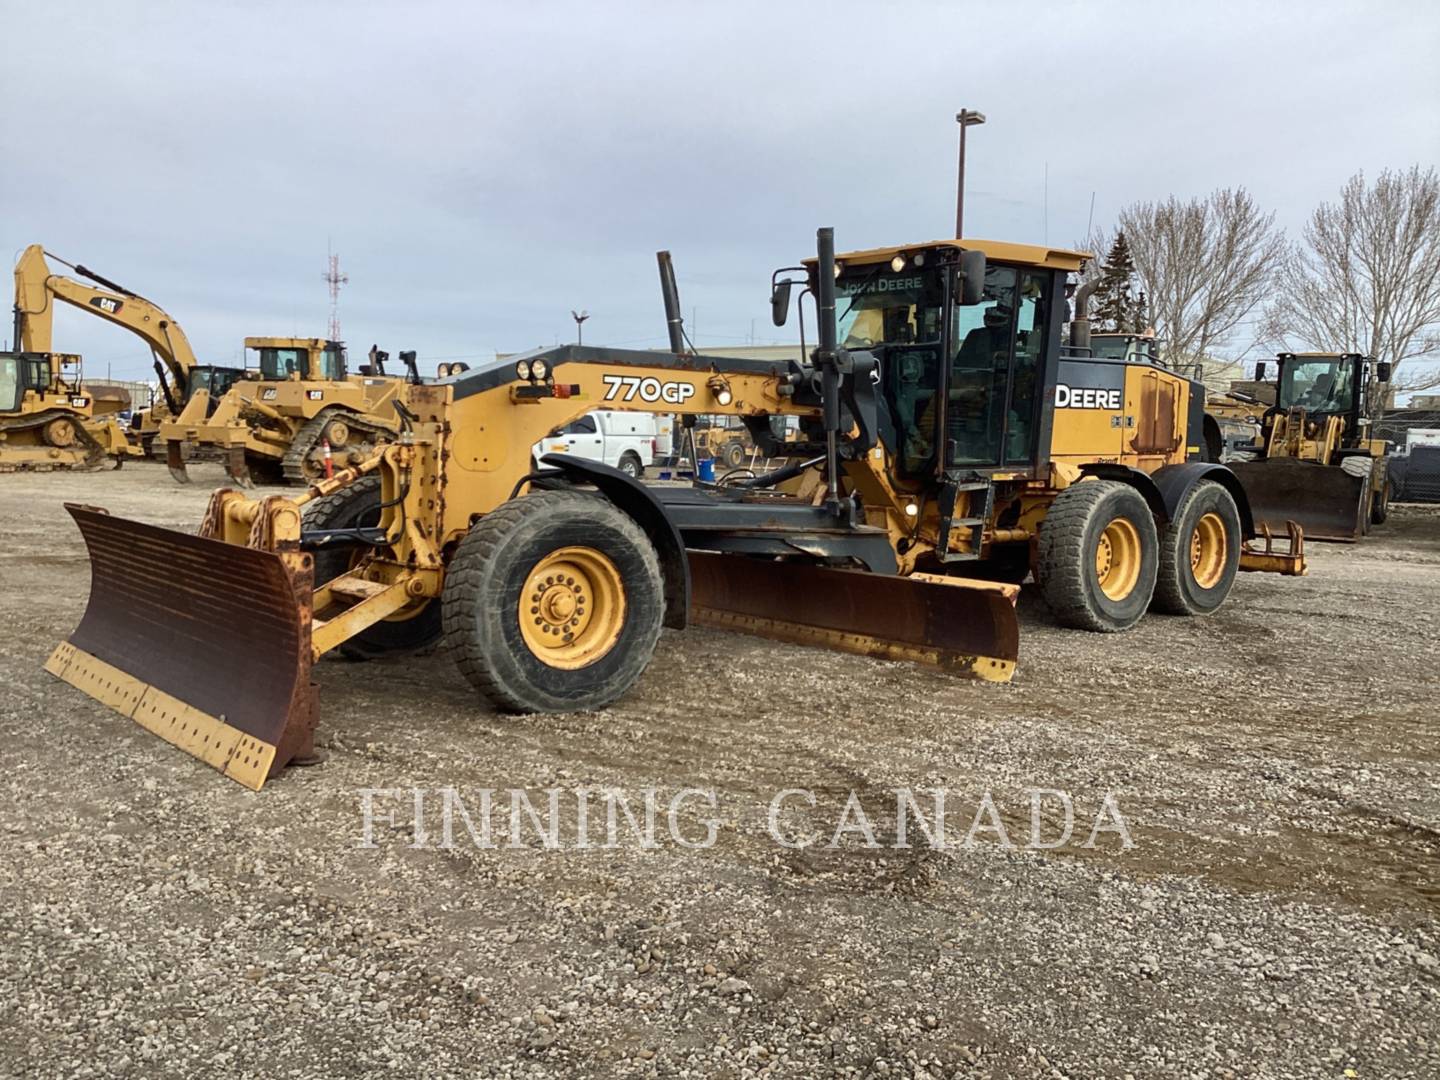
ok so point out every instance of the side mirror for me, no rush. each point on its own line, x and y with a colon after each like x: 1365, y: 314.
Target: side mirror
x: 1382, y: 371
x: 972, y: 277
x: 1260, y: 371
x: 780, y: 302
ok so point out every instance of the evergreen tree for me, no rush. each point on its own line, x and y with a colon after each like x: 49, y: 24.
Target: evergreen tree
x: 1140, y: 317
x: 1114, y: 300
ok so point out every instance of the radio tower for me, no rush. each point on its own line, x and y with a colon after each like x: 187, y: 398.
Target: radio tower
x: 334, y: 278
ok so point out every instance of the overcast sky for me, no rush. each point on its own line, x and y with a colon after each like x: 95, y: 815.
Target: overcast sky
x: 482, y: 169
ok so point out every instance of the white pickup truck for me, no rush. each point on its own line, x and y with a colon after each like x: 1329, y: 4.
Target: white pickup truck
x: 627, y: 441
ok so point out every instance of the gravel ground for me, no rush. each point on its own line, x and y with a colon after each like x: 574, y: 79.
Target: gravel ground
x: 1275, y: 915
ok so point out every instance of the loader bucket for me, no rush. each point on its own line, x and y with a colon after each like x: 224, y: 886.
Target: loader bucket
x: 1324, y: 500
x: 968, y: 627
x: 203, y: 643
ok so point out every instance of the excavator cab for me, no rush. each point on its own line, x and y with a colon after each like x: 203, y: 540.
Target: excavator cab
x: 213, y: 380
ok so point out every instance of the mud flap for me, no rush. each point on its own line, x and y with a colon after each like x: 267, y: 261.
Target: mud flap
x: 203, y: 643
x: 175, y: 460
x: 967, y: 627
x: 1324, y: 500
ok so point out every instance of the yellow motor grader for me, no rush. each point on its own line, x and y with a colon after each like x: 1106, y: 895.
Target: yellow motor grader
x: 956, y: 438
x: 296, y: 409
x: 189, y: 389
x: 1314, y: 460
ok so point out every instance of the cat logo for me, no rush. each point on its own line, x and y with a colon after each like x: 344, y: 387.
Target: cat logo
x: 107, y: 305
x: 315, y: 395
x: 79, y: 402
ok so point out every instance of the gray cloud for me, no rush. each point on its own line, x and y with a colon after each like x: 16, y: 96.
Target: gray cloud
x: 482, y: 169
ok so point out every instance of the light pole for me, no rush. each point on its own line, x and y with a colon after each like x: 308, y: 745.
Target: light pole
x: 965, y: 118
x: 579, y: 317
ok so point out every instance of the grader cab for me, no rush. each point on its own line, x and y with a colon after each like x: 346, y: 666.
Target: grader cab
x: 947, y: 433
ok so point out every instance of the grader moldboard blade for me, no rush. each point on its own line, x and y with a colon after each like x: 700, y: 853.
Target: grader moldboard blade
x: 1324, y: 500
x: 203, y: 643
x: 967, y: 627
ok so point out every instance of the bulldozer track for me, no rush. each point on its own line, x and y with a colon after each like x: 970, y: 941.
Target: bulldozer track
x: 93, y: 451
x: 366, y: 436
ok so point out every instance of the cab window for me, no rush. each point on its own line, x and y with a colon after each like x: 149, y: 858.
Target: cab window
x: 9, y: 384
x: 983, y: 337
x: 330, y: 364
x: 282, y: 363
x: 585, y: 425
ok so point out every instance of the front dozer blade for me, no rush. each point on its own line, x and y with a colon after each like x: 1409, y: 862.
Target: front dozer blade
x: 203, y: 643
x: 968, y: 627
x: 1324, y: 500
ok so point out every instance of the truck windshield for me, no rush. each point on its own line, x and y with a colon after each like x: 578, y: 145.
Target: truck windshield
x: 1323, y: 386
x: 9, y: 383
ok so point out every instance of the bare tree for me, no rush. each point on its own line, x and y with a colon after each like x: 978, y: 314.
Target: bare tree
x: 1368, y: 276
x: 1204, y: 265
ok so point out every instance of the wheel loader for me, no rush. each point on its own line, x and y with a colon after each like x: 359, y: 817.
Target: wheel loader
x: 47, y: 416
x: 951, y: 434
x: 295, y: 410
x: 1314, y: 461
x: 189, y: 390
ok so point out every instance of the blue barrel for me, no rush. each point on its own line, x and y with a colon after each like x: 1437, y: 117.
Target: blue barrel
x: 705, y: 468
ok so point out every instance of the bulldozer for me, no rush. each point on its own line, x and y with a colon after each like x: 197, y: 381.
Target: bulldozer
x: 953, y: 433
x: 188, y: 389
x: 1314, y: 461
x: 294, y: 416
x: 48, y: 416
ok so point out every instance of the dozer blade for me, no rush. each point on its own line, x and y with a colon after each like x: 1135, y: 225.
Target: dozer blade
x: 968, y: 627
x: 203, y: 643
x: 1324, y: 500
x: 236, y: 467
x: 175, y: 460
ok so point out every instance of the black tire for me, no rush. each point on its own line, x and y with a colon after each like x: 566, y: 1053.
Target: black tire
x: 733, y: 455
x: 1380, y: 501
x: 348, y: 508
x: 1178, y: 591
x: 483, y: 590
x: 1070, y: 538
x: 631, y: 465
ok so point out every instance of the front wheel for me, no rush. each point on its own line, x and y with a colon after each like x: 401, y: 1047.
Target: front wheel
x: 553, y: 603
x: 630, y: 465
x: 1199, y: 552
x: 1380, y: 503
x: 1098, y: 556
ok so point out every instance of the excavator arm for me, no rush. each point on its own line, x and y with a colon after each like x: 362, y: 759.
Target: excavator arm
x: 36, y: 289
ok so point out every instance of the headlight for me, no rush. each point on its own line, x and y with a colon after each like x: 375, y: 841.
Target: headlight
x: 539, y: 369
x: 897, y: 263
x: 724, y: 397
x: 522, y: 368
x: 443, y: 371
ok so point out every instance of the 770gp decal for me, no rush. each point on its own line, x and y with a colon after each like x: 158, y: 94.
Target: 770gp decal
x: 629, y: 387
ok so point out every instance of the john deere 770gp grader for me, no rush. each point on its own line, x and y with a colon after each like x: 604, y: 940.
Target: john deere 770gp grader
x: 951, y: 429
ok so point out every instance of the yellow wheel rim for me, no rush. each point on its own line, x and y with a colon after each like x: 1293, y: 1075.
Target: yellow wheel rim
x: 1117, y: 559
x: 1209, y: 549
x: 337, y: 433
x: 572, y: 608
